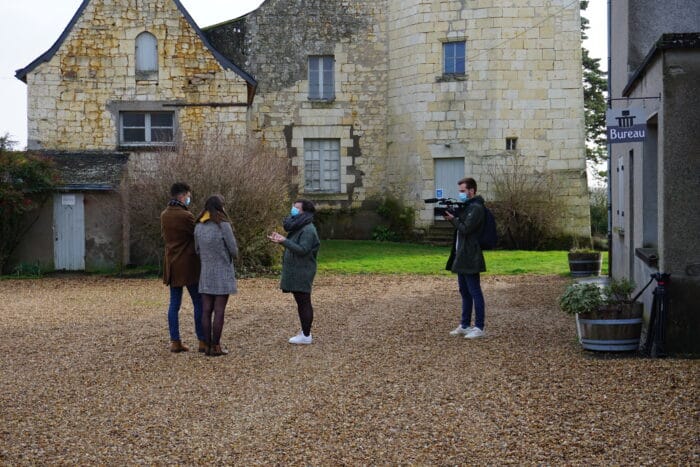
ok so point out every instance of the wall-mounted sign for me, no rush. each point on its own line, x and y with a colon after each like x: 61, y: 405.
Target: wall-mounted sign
x: 68, y: 200
x: 626, y: 125
x: 438, y: 193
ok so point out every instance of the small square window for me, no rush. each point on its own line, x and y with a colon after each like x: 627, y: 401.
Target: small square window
x: 145, y: 128
x: 511, y: 144
x: 454, y: 54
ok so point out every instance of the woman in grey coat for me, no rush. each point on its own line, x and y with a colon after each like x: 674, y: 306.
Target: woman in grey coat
x: 216, y: 246
x: 299, y: 262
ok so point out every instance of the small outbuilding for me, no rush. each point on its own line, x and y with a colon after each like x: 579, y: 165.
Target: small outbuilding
x: 84, y: 226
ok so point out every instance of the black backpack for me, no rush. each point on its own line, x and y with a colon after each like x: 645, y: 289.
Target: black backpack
x: 489, y: 235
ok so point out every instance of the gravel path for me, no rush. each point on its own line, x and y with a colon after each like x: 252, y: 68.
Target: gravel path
x: 87, y: 378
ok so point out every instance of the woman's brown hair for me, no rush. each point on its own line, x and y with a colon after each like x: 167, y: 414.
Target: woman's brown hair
x: 214, y: 205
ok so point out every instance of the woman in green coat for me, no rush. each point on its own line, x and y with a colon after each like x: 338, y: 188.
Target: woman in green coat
x: 299, y: 262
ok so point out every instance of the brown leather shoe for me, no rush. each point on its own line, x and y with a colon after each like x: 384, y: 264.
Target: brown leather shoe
x: 178, y: 346
x: 202, y: 347
x: 217, y: 350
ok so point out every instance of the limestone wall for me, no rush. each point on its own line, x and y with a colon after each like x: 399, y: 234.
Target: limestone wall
x: 396, y: 112
x: 523, y: 80
x: 75, y: 98
x: 281, y: 35
x: 393, y: 111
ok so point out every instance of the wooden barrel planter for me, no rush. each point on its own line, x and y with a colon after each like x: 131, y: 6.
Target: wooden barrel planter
x: 585, y: 264
x: 611, y: 330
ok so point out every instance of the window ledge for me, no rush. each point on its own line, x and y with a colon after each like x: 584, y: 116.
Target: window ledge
x: 318, y: 100
x: 449, y: 77
x: 321, y: 196
x: 147, y: 76
x: 649, y: 255
x: 146, y: 147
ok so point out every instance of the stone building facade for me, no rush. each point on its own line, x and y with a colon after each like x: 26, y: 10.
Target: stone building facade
x: 405, y: 124
x: 134, y: 76
x: 79, y: 90
x: 365, y: 98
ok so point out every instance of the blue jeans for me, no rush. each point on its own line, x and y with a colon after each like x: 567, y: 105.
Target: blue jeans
x: 174, y: 310
x: 470, y: 290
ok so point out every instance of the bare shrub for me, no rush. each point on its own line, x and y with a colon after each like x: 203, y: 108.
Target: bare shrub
x: 527, y: 206
x: 251, y: 178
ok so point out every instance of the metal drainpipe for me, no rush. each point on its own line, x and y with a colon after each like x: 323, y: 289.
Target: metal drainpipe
x: 609, y: 146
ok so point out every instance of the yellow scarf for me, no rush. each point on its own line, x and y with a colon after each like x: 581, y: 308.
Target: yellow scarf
x: 205, y: 217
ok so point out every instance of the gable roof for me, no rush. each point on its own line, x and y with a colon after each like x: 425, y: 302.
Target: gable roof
x: 21, y: 74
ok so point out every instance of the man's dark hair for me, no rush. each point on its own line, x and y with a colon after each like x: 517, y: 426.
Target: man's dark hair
x: 470, y: 182
x: 306, y: 205
x: 179, y: 188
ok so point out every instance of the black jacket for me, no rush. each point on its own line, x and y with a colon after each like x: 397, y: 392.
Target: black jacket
x: 466, y: 256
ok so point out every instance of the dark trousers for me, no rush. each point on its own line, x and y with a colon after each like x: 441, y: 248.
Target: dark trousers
x: 470, y: 290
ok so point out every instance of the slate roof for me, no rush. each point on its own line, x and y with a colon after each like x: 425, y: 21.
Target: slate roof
x: 685, y: 40
x: 21, y: 74
x: 89, y: 170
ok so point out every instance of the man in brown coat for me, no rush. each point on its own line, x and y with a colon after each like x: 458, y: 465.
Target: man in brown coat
x: 181, y: 263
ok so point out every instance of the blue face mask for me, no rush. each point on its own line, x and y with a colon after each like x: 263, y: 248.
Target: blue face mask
x: 463, y: 197
x: 294, y: 212
x: 187, y: 201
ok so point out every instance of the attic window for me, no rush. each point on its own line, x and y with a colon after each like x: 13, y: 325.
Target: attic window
x: 146, y: 56
x: 511, y: 144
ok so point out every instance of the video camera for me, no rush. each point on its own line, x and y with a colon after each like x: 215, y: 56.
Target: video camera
x: 450, y: 205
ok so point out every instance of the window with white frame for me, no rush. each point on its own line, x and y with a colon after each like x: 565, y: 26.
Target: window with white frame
x: 146, y: 128
x: 321, y: 85
x: 322, y: 165
x: 146, y: 56
x: 454, y: 57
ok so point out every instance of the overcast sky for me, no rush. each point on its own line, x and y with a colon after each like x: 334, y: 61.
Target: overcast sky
x: 30, y: 27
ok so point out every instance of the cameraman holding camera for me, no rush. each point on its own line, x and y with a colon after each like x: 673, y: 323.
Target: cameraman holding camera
x: 466, y: 258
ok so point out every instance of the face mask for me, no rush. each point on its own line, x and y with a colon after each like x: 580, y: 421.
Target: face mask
x: 463, y: 197
x: 187, y: 201
x: 294, y: 212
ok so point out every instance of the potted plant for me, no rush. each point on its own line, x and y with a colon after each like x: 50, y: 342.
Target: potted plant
x: 584, y: 261
x: 606, y: 317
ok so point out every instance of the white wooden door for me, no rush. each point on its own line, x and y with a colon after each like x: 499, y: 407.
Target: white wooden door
x: 69, y: 232
x: 447, y: 173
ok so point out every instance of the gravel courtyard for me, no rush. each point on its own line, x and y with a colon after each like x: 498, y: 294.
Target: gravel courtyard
x: 87, y: 378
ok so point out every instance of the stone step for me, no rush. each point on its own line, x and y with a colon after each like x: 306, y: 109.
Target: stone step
x: 440, y: 233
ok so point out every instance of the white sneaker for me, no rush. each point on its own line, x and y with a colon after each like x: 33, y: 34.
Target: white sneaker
x: 301, y: 339
x: 475, y: 333
x: 459, y: 330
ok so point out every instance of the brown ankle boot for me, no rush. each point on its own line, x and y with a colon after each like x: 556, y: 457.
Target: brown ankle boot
x: 178, y: 346
x: 202, y: 347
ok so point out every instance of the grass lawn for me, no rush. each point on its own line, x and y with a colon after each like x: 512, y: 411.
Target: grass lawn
x: 364, y: 257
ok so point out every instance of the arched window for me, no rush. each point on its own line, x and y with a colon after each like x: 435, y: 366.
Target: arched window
x: 146, y: 56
